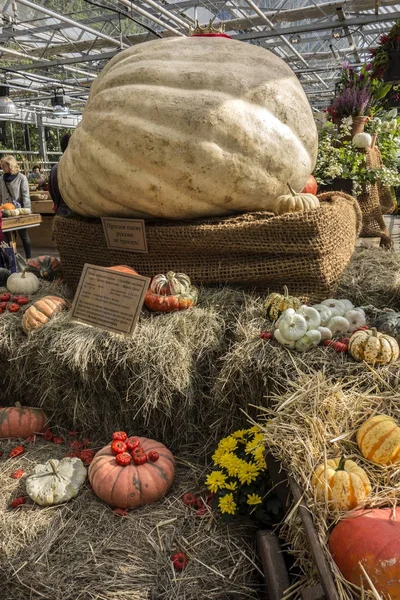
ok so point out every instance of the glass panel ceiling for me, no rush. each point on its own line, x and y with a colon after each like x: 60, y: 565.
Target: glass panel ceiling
x: 54, y: 43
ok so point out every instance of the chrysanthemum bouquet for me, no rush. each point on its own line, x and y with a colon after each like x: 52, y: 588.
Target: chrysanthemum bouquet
x: 240, y: 480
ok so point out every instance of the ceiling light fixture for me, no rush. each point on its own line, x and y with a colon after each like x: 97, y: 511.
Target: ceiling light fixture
x: 337, y: 33
x: 296, y: 39
x: 60, y: 103
x: 7, y: 106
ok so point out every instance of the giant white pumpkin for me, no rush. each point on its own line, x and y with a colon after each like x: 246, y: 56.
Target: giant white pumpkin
x: 189, y: 127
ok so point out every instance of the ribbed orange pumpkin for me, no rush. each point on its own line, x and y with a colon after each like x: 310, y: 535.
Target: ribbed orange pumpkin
x: 372, y: 538
x: 7, y: 206
x: 124, y: 269
x: 21, y: 421
x: 133, y: 485
x: 41, y: 311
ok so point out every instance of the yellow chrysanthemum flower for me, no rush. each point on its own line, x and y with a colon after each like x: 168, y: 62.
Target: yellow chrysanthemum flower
x: 227, y: 460
x: 239, y: 434
x: 218, y: 454
x: 259, y: 457
x: 227, y: 504
x: 248, y: 472
x: 215, y: 481
x: 254, y: 429
x: 254, y: 443
x: 231, y: 486
x: 229, y: 444
x: 254, y: 499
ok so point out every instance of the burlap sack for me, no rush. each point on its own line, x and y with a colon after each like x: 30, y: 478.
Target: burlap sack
x: 306, y: 251
x: 375, y: 201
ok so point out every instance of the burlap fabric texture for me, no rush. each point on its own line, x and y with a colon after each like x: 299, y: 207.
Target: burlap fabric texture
x: 306, y: 251
x: 375, y: 201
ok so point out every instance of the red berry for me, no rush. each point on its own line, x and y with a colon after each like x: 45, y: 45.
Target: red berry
x: 3, y: 305
x: 209, y: 498
x: 123, y: 459
x: 344, y: 340
x: 48, y: 435
x: 75, y: 445
x: 85, y: 442
x: 118, y: 446
x: 189, y: 499
x: 21, y: 300
x: 266, y: 335
x: 119, y: 435
x: 153, y: 456
x: 200, y: 512
x: 17, y: 474
x: 139, y: 456
x: 5, y: 297
x: 57, y: 440
x: 17, y: 502
x: 121, y: 512
x: 73, y: 432
x: 17, y: 451
x: 199, y: 503
x: 179, y: 561
x: 13, y: 307
x: 86, y: 456
x: 133, y: 442
x: 31, y: 438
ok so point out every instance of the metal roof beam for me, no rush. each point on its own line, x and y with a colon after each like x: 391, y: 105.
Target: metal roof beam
x: 310, y: 27
x: 43, y: 64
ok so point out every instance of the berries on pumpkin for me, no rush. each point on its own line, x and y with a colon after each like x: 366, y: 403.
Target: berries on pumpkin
x: 17, y: 474
x: 139, y: 456
x: 17, y: 451
x: 179, y: 561
x: 17, y: 502
x: 133, y: 442
x: 118, y: 446
x: 153, y: 456
x: 123, y: 459
x: 119, y: 435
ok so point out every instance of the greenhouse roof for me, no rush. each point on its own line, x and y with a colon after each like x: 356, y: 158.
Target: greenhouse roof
x: 54, y: 44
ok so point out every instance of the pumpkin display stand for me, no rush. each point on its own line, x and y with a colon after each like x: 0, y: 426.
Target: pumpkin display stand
x: 83, y: 549
x: 307, y: 250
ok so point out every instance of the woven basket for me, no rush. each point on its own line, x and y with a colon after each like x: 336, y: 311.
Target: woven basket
x: 307, y: 251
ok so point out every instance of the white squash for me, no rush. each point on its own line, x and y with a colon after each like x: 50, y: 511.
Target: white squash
x: 288, y: 311
x: 309, y: 340
x: 282, y: 340
x: 56, y: 481
x: 348, y: 305
x: 326, y: 333
x: 293, y: 327
x: 338, y: 325
x: 23, y: 283
x: 311, y: 315
x: 356, y: 319
x: 362, y: 140
x: 192, y: 127
x: 295, y: 202
x: 325, y: 313
x: 336, y: 307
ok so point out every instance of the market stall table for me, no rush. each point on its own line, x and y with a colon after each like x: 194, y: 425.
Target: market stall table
x: 12, y: 224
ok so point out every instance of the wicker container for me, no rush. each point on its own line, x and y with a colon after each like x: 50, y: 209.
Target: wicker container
x: 307, y: 251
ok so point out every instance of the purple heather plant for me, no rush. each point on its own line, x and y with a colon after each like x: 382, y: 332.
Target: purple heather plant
x: 353, y: 102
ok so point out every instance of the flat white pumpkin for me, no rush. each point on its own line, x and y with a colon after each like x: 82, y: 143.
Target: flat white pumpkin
x: 325, y: 313
x: 309, y: 340
x: 336, y: 307
x: 311, y: 315
x: 23, y: 283
x: 293, y: 327
x: 56, y: 481
x: 192, y: 127
x: 282, y: 340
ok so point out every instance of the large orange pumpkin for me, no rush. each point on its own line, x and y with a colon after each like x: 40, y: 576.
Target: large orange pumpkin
x: 372, y: 538
x: 133, y: 485
x: 21, y: 421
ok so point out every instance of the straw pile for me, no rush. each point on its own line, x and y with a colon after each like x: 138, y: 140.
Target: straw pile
x: 83, y: 550
x: 316, y: 419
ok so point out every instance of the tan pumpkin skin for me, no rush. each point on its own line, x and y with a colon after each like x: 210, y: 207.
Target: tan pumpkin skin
x: 41, y: 311
x: 194, y: 127
x: 379, y: 440
x: 134, y: 485
x: 344, y: 488
x: 373, y: 347
x: 21, y: 421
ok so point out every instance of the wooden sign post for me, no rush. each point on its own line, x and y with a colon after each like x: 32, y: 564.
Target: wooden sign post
x: 108, y: 299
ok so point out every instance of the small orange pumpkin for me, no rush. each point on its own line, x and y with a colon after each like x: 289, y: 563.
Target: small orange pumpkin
x: 7, y: 206
x: 21, y: 421
x: 41, y: 311
x: 132, y: 485
x: 171, y: 292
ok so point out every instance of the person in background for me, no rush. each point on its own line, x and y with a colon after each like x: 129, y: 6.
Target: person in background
x: 37, y: 177
x: 14, y: 188
x: 60, y: 208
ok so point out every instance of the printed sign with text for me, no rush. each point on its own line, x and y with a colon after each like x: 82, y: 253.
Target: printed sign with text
x: 125, y: 234
x: 109, y: 299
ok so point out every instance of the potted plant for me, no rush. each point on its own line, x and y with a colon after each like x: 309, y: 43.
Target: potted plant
x: 386, y: 56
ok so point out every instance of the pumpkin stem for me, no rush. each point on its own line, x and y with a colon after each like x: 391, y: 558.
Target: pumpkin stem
x: 291, y: 190
x: 285, y: 291
x: 170, y: 275
x: 374, y: 332
x: 18, y: 405
x: 53, y: 466
x: 341, y: 464
x: 23, y: 274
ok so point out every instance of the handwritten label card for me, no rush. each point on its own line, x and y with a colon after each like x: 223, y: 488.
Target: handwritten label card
x: 125, y: 234
x: 108, y: 299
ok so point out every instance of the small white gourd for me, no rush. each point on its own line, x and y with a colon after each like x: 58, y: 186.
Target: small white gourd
x: 347, y: 304
x: 309, y: 340
x: 336, y: 307
x: 362, y: 140
x: 293, y: 327
x: 56, y: 481
x: 326, y: 333
x: 283, y: 341
x: 338, y: 325
x: 288, y: 311
x: 325, y: 313
x: 23, y: 283
x: 356, y: 319
x: 311, y: 316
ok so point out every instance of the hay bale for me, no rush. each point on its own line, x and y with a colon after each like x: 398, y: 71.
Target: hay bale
x: 83, y: 550
x: 317, y: 418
